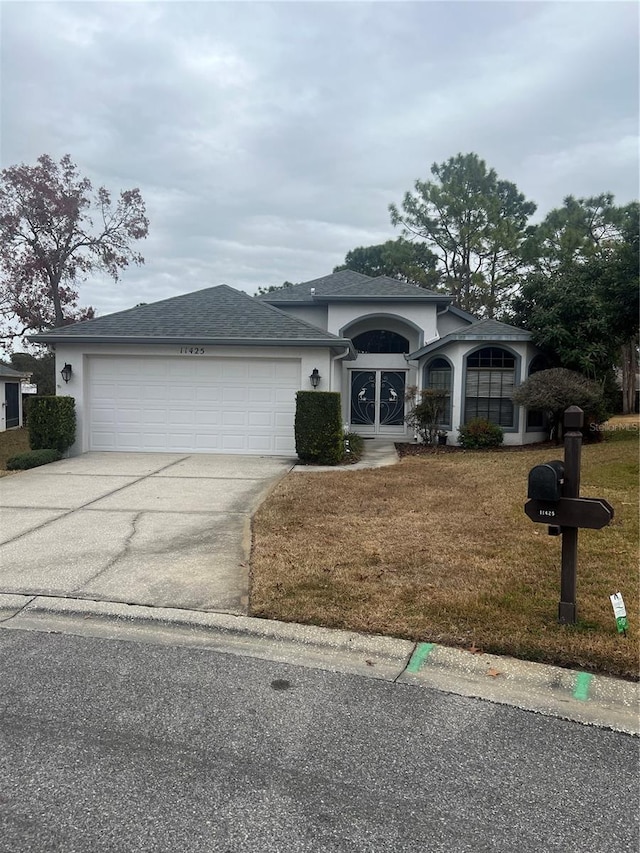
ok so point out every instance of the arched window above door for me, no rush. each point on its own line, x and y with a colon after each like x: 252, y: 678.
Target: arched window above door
x: 380, y: 340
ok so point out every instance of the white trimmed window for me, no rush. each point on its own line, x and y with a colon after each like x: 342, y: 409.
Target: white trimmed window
x: 490, y: 381
x: 437, y: 374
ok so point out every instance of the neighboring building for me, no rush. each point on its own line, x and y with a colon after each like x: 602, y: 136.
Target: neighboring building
x: 11, y: 396
x: 216, y: 371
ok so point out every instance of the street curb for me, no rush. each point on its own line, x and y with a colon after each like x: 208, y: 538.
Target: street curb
x: 567, y: 694
x: 306, y: 645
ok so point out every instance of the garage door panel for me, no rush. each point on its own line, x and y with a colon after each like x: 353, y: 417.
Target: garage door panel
x: 237, y: 372
x: 177, y: 441
x: 208, y: 417
x: 103, y: 417
x: 282, y: 446
x: 212, y: 405
x: 234, y: 419
x: 181, y: 393
x: 258, y: 444
x: 207, y: 370
x: 207, y: 442
x: 260, y: 396
x: 124, y: 392
x: 152, y: 440
x: 128, y: 417
x: 154, y: 393
x: 205, y: 394
x: 233, y: 443
x: 284, y: 396
x: 107, y: 440
x: 260, y: 419
x: 179, y: 417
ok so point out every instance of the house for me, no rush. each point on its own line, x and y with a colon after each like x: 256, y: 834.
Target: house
x: 216, y: 371
x: 11, y: 396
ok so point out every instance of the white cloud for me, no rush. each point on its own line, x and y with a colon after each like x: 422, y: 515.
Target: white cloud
x: 269, y: 138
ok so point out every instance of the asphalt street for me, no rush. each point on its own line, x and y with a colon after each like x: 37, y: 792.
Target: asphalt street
x: 110, y: 745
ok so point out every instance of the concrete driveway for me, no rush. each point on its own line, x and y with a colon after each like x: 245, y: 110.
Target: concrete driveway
x: 169, y: 530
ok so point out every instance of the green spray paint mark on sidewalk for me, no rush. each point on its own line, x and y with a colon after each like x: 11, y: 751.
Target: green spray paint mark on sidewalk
x: 419, y: 656
x: 581, y: 691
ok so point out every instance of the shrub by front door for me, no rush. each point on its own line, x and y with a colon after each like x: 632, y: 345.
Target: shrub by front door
x: 377, y: 401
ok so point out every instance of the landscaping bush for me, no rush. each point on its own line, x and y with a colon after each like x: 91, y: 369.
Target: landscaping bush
x: 426, y: 412
x: 480, y: 433
x: 52, y: 423
x: 32, y: 459
x: 318, y: 427
x: 553, y: 391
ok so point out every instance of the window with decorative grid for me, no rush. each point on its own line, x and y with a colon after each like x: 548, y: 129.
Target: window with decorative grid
x: 490, y: 380
x: 437, y: 374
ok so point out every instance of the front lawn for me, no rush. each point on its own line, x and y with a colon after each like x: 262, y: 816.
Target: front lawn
x: 438, y: 548
x: 12, y: 442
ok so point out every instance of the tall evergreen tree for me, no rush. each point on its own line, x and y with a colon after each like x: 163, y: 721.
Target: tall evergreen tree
x: 475, y: 223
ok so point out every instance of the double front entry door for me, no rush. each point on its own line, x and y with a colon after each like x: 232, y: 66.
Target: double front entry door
x: 377, y: 401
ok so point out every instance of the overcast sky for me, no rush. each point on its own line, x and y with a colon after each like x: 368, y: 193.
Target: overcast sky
x: 268, y: 139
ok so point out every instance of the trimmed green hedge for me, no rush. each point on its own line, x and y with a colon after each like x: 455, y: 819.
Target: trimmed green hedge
x: 318, y: 427
x: 480, y: 433
x: 32, y: 459
x: 52, y: 423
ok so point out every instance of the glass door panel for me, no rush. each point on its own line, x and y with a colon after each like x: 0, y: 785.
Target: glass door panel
x: 363, y: 397
x: 392, y: 392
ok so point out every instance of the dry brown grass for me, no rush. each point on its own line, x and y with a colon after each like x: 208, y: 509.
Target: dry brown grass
x: 438, y: 548
x: 12, y: 441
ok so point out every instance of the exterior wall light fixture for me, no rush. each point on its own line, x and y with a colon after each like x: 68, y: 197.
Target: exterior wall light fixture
x: 315, y: 377
x: 66, y: 372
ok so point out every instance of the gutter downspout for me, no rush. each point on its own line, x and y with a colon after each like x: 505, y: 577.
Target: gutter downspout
x: 335, y: 358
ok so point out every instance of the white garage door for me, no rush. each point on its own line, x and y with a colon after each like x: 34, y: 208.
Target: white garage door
x: 197, y: 404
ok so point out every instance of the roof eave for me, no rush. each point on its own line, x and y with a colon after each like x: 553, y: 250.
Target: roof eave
x: 397, y: 298
x: 191, y: 340
x: 523, y: 338
x: 15, y: 377
x: 324, y: 300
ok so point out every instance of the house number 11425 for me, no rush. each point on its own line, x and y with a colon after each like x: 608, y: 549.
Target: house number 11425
x: 191, y: 350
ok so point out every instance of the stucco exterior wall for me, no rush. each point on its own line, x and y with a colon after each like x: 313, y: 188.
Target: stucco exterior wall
x: 456, y: 352
x: 449, y: 323
x: 314, y: 314
x: 421, y: 316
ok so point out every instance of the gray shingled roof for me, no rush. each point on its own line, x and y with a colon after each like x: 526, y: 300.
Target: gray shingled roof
x: 11, y: 373
x: 217, y: 315
x: 350, y: 285
x: 481, y: 330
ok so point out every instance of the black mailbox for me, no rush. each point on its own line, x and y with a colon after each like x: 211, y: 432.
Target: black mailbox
x: 545, y: 481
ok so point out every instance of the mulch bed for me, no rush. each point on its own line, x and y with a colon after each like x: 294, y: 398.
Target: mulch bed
x: 411, y: 449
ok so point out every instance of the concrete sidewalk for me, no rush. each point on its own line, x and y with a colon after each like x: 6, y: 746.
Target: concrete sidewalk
x: 377, y: 453
x: 549, y: 690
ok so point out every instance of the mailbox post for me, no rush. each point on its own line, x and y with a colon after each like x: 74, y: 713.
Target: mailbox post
x: 573, y: 422
x: 554, y: 492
